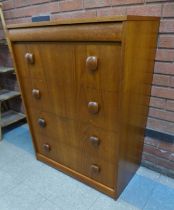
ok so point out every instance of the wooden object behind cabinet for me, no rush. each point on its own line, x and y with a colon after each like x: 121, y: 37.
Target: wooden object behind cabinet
x: 86, y: 86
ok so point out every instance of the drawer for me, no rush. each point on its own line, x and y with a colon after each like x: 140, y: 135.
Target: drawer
x: 82, y: 136
x: 78, y: 160
x: 99, y: 108
x: 36, y: 94
x: 93, y: 65
x: 28, y: 61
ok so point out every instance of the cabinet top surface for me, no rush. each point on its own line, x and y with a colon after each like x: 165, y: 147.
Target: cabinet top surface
x: 82, y: 21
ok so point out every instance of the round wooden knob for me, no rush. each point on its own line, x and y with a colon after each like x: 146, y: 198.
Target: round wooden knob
x: 46, y: 147
x: 95, y: 141
x: 42, y: 122
x: 36, y: 93
x: 95, y: 169
x: 93, y: 107
x: 29, y: 58
x: 92, y: 63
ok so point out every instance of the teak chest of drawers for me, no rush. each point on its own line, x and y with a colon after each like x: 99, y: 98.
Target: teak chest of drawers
x: 86, y: 87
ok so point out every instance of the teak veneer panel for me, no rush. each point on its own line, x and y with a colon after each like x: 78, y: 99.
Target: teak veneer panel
x: 76, y: 134
x: 105, y: 61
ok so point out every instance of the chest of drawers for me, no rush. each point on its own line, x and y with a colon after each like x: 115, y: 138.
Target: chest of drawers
x: 86, y: 86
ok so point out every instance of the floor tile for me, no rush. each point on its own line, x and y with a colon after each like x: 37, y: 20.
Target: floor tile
x: 138, y: 191
x: 106, y: 203
x: 74, y: 195
x: 8, y: 153
x: 7, y: 182
x: 142, y: 171
x: 47, y: 205
x: 162, y: 198
x: 20, y: 198
x: 13, y: 131
x: 166, y: 181
x: 21, y: 140
x: 22, y: 167
x: 45, y: 180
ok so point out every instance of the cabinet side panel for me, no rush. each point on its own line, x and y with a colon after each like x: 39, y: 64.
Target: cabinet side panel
x: 138, y: 51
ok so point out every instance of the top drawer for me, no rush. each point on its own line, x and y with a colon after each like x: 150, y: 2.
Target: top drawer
x: 76, y: 32
x: 94, y: 65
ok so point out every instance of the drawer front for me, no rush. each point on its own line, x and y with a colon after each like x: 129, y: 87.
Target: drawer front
x: 97, y: 107
x: 90, y: 65
x: 36, y: 94
x: 78, y: 160
x: 29, y: 61
x: 95, y: 141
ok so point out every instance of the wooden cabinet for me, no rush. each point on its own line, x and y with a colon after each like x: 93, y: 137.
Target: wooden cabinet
x: 86, y: 87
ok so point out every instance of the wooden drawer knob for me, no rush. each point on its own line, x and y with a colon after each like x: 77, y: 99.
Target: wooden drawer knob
x: 46, y: 147
x: 92, y: 63
x: 95, y: 169
x: 42, y: 122
x: 94, y: 140
x: 93, y: 107
x: 36, y: 93
x: 29, y: 58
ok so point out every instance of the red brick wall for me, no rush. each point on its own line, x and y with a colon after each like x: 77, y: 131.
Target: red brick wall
x: 157, y: 154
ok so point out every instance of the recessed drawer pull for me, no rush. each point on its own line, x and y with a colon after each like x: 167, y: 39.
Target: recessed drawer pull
x: 93, y: 107
x: 36, y: 93
x: 94, y: 140
x: 95, y: 169
x: 46, y: 147
x: 29, y: 58
x: 92, y: 63
x: 42, y: 122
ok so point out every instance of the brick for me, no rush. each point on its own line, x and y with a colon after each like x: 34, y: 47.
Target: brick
x: 33, y: 10
x: 161, y: 114
x: 18, y: 20
x: 149, y: 1
x: 8, y: 5
x: 121, y: 2
x: 168, y: 10
x: 162, y: 153
x: 151, y: 141
x: 96, y: 3
x: 164, y: 55
x: 165, y: 163
x: 164, y: 68
x: 22, y: 3
x: 150, y: 158
x: 163, y: 92
x: 76, y: 14
x: 171, y: 157
x: 170, y: 105
x: 161, y: 80
x: 167, y: 146
x: 71, y: 5
x: 161, y: 125
x: 167, y: 26
x: 154, y: 10
x: 172, y: 82
x: 166, y: 41
x: 111, y: 11
x: 158, y: 102
x: 149, y: 149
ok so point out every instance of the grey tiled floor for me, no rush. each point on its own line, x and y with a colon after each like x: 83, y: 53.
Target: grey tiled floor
x: 27, y: 184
